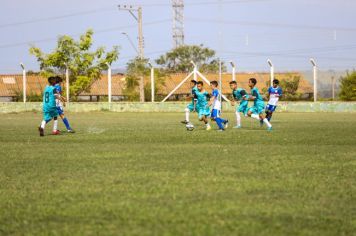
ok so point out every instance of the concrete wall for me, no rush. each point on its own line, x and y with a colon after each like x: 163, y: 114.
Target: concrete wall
x: 8, y: 107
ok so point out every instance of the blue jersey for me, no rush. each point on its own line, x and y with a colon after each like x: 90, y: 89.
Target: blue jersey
x: 274, y: 94
x: 49, y: 98
x: 216, y: 103
x: 58, y: 88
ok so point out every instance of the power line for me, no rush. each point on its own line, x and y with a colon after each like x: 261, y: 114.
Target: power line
x: 270, y: 24
x: 268, y: 54
x: 204, y: 3
x: 78, y: 34
x: 81, y: 13
x: 112, y: 9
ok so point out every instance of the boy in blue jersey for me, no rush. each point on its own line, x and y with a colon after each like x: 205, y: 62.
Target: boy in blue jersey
x: 274, y: 93
x: 257, y: 110
x: 49, y: 106
x: 191, y: 107
x: 202, y: 106
x: 216, y: 107
x: 60, y: 105
x: 239, y: 94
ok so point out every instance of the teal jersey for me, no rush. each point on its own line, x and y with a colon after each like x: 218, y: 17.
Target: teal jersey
x: 49, y: 99
x: 258, y: 100
x: 194, y: 91
x: 202, y: 99
x: 239, y: 94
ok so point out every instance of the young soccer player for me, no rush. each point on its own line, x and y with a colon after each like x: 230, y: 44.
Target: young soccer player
x: 241, y: 95
x: 60, y: 104
x: 274, y: 93
x: 216, y: 107
x: 202, y: 104
x: 256, y: 111
x: 49, y: 106
x: 191, y: 107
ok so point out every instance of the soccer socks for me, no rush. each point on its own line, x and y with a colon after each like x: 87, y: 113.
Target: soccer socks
x: 238, y: 119
x: 66, y: 123
x: 55, y: 125
x: 43, y: 124
x: 187, y: 114
x: 267, y: 123
x: 220, y: 122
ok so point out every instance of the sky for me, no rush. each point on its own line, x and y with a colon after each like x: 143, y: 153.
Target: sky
x: 248, y: 32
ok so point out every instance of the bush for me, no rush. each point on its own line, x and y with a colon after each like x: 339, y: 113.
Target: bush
x: 348, y: 87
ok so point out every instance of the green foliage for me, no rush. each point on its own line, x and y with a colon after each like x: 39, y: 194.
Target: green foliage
x: 136, y: 68
x: 290, y: 86
x: 179, y: 59
x: 348, y: 87
x: 32, y: 97
x: 85, y: 66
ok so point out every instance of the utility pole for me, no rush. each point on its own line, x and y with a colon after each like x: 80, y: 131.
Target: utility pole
x: 131, y: 9
x: 178, y: 23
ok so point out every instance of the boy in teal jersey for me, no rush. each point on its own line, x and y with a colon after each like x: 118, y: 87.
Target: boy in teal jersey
x: 257, y: 110
x: 239, y: 94
x: 202, y: 106
x: 49, y: 106
x: 191, y: 107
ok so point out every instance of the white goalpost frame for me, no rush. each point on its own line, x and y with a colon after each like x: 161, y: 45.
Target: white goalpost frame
x: 195, y: 73
x: 178, y: 86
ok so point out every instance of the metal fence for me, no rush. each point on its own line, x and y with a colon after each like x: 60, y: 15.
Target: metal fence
x: 12, y: 86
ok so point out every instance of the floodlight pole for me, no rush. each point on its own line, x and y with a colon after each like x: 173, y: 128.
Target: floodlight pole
x: 152, y: 82
x: 333, y: 87
x: 67, y: 82
x: 24, y: 82
x: 109, y: 82
x: 271, y: 70
x: 233, y: 70
x: 315, y: 78
x: 220, y: 81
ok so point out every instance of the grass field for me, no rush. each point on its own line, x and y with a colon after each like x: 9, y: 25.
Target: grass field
x: 144, y: 174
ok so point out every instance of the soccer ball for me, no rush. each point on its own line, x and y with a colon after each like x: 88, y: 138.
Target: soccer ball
x: 189, y: 126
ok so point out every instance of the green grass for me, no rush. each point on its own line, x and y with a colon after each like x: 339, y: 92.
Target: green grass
x: 144, y: 174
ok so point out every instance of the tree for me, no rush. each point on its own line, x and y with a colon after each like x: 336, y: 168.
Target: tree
x: 179, y: 59
x: 137, y: 68
x: 85, y: 66
x: 289, y: 86
x: 348, y: 87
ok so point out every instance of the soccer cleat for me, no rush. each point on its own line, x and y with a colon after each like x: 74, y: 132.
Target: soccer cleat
x: 41, y: 131
x: 56, y: 132
x: 226, y: 124
x: 71, y: 131
x: 208, y: 127
x: 269, y: 129
x: 237, y: 127
x: 184, y: 122
x: 220, y: 130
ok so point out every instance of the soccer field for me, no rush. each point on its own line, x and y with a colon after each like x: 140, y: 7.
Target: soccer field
x: 144, y: 174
